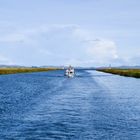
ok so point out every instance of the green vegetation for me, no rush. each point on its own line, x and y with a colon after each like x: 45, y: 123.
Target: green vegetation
x: 23, y: 70
x: 123, y: 72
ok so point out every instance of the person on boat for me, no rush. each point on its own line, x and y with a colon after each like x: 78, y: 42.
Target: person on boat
x: 69, y: 71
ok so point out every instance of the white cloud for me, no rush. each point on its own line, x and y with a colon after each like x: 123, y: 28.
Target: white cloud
x: 103, y: 50
x: 135, y: 60
x: 69, y: 42
x: 28, y: 34
x: 45, y: 52
x: 100, y: 51
x: 12, y: 38
x: 5, y: 60
x: 80, y: 62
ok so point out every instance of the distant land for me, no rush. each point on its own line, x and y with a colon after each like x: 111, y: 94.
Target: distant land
x: 120, y: 67
x: 19, y: 66
x: 130, y: 71
x: 61, y: 67
x: 123, y: 72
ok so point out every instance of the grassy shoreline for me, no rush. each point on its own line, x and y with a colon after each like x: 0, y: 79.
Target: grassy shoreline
x: 123, y: 72
x: 23, y: 70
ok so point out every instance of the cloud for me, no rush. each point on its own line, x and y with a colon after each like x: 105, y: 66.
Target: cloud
x: 45, y: 52
x: 5, y: 60
x: 98, y: 50
x: 67, y: 43
x: 13, y: 38
x: 103, y: 50
x: 135, y: 60
x: 28, y: 34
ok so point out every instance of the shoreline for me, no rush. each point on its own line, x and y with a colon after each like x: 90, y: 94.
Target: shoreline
x: 123, y: 72
x: 4, y: 71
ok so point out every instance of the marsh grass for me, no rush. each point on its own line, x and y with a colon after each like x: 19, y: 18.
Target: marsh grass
x: 23, y: 70
x: 123, y: 72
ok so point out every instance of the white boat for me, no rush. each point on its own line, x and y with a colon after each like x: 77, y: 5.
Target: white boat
x: 70, y: 72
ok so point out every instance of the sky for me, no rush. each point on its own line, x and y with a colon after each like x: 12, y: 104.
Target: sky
x: 70, y: 32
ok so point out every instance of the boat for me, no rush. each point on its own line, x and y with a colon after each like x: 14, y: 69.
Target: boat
x: 70, y: 72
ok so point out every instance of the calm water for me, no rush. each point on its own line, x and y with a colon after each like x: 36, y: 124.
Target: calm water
x: 49, y: 106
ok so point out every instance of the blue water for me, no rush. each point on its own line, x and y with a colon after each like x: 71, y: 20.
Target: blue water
x: 48, y: 106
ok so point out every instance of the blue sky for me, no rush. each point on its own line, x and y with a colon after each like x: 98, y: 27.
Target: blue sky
x: 76, y: 32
